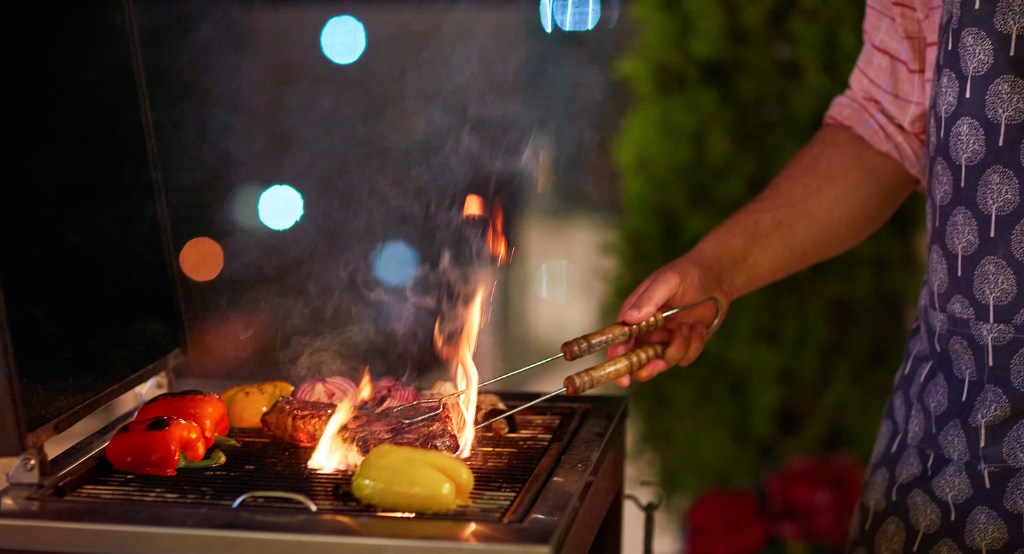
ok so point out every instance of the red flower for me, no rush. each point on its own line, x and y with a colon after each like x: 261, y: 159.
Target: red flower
x: 726, y: 522
x: 812, y: 501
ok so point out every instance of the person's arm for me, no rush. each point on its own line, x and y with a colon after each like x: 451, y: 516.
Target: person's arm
x: 832, y: 195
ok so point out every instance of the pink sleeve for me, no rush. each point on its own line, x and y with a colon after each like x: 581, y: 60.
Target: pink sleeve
x: 886, y: 101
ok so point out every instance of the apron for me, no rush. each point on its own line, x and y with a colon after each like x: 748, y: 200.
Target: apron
x: 947, y: 470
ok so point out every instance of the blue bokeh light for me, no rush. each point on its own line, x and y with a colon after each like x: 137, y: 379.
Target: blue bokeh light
x: 395, y: 263
x: 343, y: 39
x: 546, y: 16
x: 280, y: 207
x: 570, y: 15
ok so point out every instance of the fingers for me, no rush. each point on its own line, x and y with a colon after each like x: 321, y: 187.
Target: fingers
x: 651, y: 295
x: 616, y: 350
x: 698, y: 338
x: 679, y: 283
x: 676, y: 345
x: 683, y: 349
x: 649, y: 371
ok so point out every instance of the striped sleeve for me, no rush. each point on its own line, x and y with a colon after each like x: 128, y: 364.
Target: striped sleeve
x: 886, y: 101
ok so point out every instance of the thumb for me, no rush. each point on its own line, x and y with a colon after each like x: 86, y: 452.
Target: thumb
x: 649, y: 297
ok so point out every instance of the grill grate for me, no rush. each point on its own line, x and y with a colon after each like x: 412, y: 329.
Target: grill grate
x: 503, y: 466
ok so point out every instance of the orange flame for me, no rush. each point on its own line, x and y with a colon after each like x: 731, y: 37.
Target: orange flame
x: 496, y: 241
x: 466, y: 375
x: 365, y: 391
x: 332, y: 453
x: 474, y: 208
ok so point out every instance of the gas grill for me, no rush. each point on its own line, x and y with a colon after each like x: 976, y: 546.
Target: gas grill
x: 94, y: 314
x: 553, y: 486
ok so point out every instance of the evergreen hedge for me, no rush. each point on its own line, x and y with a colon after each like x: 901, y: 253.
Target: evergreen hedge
x: 723, y: 93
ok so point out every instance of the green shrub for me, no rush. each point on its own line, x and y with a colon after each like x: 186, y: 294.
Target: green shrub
x: 723, y: 93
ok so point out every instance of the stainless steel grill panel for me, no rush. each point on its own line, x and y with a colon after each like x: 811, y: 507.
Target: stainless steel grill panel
x: 553, y: 487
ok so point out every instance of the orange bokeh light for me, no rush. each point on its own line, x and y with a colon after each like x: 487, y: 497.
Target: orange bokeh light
x: 474, y: 206
x: 201, y: 259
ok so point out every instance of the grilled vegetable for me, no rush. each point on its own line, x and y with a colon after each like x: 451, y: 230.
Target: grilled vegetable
x: 247, y: 403
x: 205, y: 409
x: 389, y: 392
x: 158, y: 446
x: 409, y: 479
x: 333, y: 389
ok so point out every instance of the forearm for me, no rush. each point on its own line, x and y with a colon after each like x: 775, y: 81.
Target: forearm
x: 833, y: 194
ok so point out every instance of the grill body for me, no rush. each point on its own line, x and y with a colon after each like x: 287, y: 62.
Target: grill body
x: 554, y: 486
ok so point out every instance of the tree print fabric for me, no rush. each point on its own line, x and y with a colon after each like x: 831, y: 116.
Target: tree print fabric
x: 947, y: 471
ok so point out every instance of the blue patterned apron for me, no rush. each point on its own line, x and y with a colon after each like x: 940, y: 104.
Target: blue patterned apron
x: 947, y: 470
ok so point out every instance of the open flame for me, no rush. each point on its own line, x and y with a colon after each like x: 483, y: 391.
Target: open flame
x: 474, y: 208
x: 466, y: 375
x: 332, y: 453
x: 496, y: 241
x: 365, y: 391
x: 464, y: 372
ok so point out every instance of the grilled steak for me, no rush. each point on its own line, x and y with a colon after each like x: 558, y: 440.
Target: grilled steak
x: 368, y: 428
x: 296, y: 421
x: 302, y: 422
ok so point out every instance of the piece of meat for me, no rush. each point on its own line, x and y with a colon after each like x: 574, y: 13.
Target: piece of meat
x: 296, y: 421
x: 368, y: 428
x: 490, y: 406
x: 302, y: 422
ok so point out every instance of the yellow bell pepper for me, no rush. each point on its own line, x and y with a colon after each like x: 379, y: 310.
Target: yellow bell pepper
x: 410, y: 479
x: 247, y: 403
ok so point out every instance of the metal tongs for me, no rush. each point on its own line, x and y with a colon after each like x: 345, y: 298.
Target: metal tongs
x: 587, y: 379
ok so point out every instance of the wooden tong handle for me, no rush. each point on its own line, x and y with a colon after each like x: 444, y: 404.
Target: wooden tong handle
x: 579, y: 383
x: 612, y: 334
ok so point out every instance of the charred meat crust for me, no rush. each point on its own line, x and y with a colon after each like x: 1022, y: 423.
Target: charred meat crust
x: 367, y: 429
x: 296, y: 421
x: 302, y: 422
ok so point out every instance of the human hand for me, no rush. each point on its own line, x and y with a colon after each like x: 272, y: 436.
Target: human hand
x: 679, y: 283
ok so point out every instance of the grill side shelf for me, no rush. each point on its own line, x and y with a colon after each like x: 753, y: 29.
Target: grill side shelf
x: 542, y: 472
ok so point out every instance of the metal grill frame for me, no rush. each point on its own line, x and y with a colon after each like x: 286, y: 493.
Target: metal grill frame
x: 504, y: 468
x: 572, y: 503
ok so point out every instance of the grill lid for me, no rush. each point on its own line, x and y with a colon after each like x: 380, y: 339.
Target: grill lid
x: 88, y: 307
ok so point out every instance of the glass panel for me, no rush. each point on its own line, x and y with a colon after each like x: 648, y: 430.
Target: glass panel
x: 361, y: 165
x: 83, y: 267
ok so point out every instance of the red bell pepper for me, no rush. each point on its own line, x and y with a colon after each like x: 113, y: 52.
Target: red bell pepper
x: 158, y: 446
x: 203, y: 408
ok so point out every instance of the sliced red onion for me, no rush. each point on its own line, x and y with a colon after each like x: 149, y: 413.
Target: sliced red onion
x: 388, y: 392
x: 327, y: 389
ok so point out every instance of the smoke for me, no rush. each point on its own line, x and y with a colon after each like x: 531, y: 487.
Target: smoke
x: 445, y: 104
x: 341, y: 317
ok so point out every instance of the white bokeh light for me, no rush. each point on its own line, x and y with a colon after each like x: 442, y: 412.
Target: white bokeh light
x: 280, y: 207
x: 343, y: 39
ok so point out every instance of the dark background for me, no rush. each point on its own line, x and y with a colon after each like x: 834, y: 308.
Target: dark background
x: 449, y: 98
